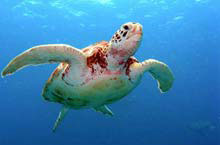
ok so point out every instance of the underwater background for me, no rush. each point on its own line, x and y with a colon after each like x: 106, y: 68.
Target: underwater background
x: 185, y: 34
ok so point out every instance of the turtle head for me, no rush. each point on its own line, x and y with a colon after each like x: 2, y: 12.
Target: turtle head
x: 126, y: 40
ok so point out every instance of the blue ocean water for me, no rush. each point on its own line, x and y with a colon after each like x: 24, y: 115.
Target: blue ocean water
x: 185, y: 34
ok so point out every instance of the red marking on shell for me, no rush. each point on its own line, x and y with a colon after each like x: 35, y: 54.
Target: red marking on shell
x: 128, y: 64
x: 121, y: 62
x: 98, y: 57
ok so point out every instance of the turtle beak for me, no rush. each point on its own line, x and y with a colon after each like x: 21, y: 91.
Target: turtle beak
x: 136, y: 29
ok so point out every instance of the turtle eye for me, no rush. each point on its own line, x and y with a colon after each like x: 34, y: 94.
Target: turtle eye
x: 126, y: 27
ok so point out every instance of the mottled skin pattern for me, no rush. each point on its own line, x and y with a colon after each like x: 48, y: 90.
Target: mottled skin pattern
x: 106, y: 78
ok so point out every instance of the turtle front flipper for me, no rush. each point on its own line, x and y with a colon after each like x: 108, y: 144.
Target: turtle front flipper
x: 105, y: 110
x: 159, y: 70
x: 51, y: 53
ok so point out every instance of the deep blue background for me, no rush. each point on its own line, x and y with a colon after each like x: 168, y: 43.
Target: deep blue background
x: 185, y: 34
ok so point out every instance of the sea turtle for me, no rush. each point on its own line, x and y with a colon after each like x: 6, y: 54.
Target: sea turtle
x: 95, y: 76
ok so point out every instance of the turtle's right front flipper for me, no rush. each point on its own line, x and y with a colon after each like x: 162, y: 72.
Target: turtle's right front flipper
x: 52, y: 53
x: 159, y: 71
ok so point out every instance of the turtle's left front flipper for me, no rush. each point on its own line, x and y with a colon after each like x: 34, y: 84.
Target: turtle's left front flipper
x: 51, y: 53
x: 159, y: 70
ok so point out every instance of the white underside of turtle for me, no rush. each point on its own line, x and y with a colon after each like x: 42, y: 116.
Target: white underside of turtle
x: 95, y: 76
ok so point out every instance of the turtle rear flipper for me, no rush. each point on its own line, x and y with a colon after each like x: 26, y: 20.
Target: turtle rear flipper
x: 159, y: 70
x: 104, y: 109
x: 52, y: 53
x: 60, y: 117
